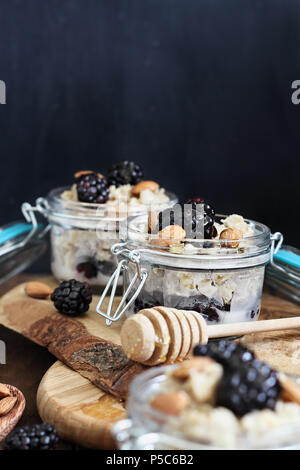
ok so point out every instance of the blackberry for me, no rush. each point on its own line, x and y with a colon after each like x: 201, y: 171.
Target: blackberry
x: 227, y: 353
x: 88, y: 269
x: 125, y: 172
x: 247, y: 384
x: 91, y: 268
x: 72, y: 297
x: 168, y: 216
x: 36, y: 437
x: 140, y: 304
x: 92, y: 187
x: 209, y: 216
x: 209, y: 308
x: 253, y: 386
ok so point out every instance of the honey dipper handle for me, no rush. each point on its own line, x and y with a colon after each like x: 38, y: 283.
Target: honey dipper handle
x: 231, y: 329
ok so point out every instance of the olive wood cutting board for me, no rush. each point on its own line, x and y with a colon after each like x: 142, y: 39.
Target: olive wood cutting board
x: 82, y: 412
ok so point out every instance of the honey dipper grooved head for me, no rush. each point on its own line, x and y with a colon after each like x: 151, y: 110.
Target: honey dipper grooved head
x: 138, y: 338
x: 202, y: 327
x: 185, y: 332
x: 194, y: 328
x: 162, y: 336
x: 175, y: 333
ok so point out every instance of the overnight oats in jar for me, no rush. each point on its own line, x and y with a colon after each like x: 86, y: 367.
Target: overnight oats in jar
x: 86, y: 219
x: 222, y: 398
x: 217, y: 271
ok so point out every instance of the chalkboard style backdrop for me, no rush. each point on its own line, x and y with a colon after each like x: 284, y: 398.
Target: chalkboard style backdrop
x: 198, y: 92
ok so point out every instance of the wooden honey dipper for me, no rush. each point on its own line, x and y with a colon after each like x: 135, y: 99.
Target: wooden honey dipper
x: 161, y: 334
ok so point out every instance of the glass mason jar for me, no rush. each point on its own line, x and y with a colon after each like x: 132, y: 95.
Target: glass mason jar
x: 222, y: 282
x: 148, y: 429
x: 81, y: 235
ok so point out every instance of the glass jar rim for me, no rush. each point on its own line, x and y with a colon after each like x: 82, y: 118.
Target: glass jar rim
x: 66, y: 208
x: 206, y: 254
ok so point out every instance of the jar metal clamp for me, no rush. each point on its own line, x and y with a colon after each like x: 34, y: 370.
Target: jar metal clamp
x: 31, y: 227
x: 141, y: 275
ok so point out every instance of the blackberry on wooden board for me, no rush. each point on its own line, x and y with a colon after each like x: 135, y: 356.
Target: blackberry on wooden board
x: 35, y: 437
x: 72, y: 297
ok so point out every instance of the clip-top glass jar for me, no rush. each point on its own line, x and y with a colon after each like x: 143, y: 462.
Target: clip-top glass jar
x: 82, y: 234
x: 148, y: 429
x: 221, y: 280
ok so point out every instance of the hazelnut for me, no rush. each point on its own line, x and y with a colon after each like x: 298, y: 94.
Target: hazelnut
x: 231, y: 234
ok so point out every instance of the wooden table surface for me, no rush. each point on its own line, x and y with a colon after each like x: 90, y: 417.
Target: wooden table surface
x: 26, y: 362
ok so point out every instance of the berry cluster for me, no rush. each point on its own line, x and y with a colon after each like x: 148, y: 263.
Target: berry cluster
x: 247, y: 384
x: 125, y: 172
x: 93, y: 187
x: 36, y: 437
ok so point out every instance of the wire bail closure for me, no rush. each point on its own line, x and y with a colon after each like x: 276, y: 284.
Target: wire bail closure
x: 141, y: 274
x: 274, y: 250
x: 28, y: 212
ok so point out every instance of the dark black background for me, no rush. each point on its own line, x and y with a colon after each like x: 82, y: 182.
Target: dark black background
x: 198, y: 92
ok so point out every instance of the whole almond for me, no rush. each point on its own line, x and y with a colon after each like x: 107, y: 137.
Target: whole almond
x: 197, y: 364
x: 4, y: 391
x: 38, y: 290
x: 170, y: 235
x: 160, y: 242
x: 7, y: 404
x: 172, y: 403
x: 139, y: 187
x: 78, y: 174
x: 290, y: 389
x: 231, y: 234
x: 172, y: 231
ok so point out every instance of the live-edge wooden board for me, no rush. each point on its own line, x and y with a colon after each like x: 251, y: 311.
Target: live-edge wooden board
x: 82, y: 413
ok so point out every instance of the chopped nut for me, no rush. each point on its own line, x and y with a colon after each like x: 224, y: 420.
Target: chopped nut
x: 197, y: 364
x: 203, y: 385
x: 172, y: 403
